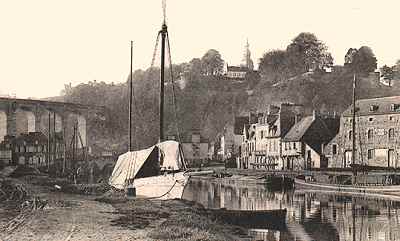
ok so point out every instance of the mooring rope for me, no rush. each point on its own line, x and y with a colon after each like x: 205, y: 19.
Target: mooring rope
x: 150, y: 198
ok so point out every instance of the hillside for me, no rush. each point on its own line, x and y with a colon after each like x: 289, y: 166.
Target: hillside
x: 206, y: 103
x: 327, y: 92
x: 209, y: 103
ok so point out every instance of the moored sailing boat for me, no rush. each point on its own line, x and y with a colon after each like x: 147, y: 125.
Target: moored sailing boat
x: 159, y: 171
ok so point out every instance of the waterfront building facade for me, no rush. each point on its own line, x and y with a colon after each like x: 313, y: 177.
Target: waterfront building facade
x: 262, y: 145
x: 302, y: 146
x: 377, y: 135
x: 195, y: 147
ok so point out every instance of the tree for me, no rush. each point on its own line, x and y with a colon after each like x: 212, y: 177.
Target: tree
x: 363, y: 61
x: 396, y: 70
x: 212, y: 63
x: 387, y: 72
x: 348, y: 58
x: 274, y: 66
x: 306, y: 53
x: 195, y: 67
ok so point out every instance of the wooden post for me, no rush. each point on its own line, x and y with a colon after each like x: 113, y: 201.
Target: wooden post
x: 49, y: 143
x: 64, y: 151
x: 54, y: 139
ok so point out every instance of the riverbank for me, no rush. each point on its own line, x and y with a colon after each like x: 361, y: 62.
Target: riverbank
x: 175, y: 220
x: 67, y: 216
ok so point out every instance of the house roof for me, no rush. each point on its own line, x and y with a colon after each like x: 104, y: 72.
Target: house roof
x: 383, y: 106
x: 299, y: 129
x: 313, y: 129
x: 271, y: 119
x: 240, y: 121
x: 237, y: 68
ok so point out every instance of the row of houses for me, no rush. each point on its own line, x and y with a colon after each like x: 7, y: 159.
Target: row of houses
x: 31, y: 149
x: 283, y: 137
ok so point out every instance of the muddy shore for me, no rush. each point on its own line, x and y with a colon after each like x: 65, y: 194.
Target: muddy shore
x: 111, y: 216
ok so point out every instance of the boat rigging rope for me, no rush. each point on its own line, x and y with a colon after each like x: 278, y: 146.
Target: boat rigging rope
x: 173, y: 89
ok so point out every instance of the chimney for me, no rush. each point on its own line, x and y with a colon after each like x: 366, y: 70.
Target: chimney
x: 314, y: 114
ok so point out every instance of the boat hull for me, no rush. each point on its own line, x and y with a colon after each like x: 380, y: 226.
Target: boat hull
x: 346, y: 188
x: 271, y: 219
x: 168, y: 186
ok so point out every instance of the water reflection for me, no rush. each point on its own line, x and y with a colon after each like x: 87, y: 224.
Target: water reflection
x: 310, y: 215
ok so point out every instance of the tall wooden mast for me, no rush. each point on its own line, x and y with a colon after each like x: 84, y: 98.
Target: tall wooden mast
x: 130, y: 101
x: 353, y: 126
x: 164, y: 33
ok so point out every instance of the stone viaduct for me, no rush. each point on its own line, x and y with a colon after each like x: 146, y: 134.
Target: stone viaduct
x: 19, y: 116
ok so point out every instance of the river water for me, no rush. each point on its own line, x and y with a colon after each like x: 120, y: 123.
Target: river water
x: 310, y: 215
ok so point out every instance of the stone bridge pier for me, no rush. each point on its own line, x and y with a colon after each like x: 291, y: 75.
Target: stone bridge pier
x: 21, y: 116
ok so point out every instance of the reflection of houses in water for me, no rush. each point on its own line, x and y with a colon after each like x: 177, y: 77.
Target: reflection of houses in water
x: 367, y: 220
x: 229, y: 196
x: 310, y: 216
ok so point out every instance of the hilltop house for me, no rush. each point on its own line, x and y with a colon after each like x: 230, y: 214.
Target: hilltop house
x: 377, y: 134
x: 302, y: 146
x: 236, y: 72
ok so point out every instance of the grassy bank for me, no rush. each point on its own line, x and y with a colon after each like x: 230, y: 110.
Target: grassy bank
x: 173, y: 220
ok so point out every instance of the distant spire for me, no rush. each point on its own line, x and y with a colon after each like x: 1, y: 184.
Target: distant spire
x: 247, y: 62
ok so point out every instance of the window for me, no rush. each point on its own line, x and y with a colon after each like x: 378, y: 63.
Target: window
x: 390, y: 118
x: 350, y: 135
x: 391, y: 133
x: 370, y: 153
x: 334, y: 149
x: 373, y: 108
x: 371, y: 119
x: 394, y: 107
x: 294, y: 146
x: 262, y: 134
x: 370, y: 134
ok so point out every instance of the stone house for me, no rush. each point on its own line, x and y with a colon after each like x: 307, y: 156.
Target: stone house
x: 262, y: 145
x: 232, y: 137
x: 236, y: 72
x: 248, y: 147
x: 377, y: 135
x: 195, y: 147
x: 302, y: 146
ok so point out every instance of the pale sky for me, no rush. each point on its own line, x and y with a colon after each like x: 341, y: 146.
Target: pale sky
x: 45, y: 44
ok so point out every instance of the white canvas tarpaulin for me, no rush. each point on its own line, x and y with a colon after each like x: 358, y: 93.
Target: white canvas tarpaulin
x: 129, y: 163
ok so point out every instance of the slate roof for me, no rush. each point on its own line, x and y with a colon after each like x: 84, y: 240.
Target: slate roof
x: 240, y: 121
x: 271, y: 119
x: 383, y: 106
x: 319, y: 129
x: 299, y: 129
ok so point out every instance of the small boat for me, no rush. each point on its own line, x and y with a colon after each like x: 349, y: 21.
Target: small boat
x: 270, y: 219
